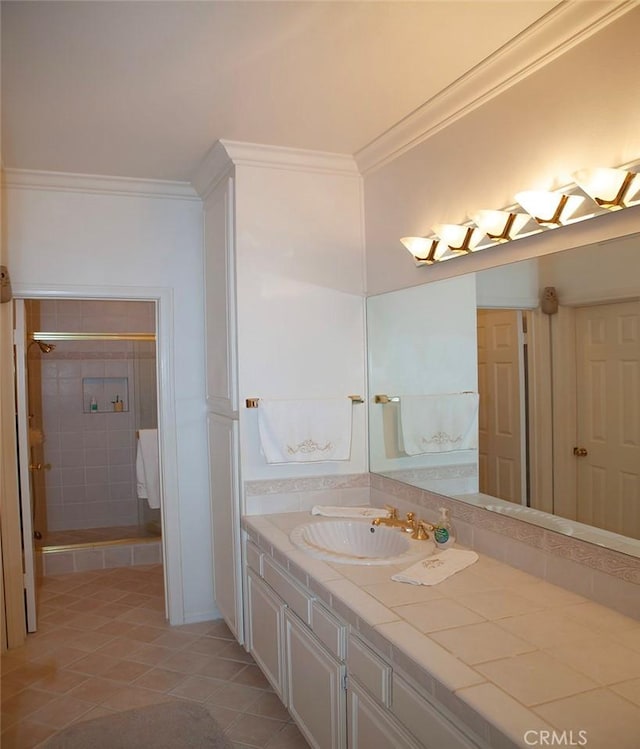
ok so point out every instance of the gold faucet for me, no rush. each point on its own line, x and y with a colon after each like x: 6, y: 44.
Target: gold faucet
x: 392, y: 520
x: 418, y: 528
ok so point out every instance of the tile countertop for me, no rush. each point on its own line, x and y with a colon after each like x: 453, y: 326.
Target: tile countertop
x: 500, y: 648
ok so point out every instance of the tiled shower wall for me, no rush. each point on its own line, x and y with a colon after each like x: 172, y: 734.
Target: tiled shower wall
x: 91, y: 482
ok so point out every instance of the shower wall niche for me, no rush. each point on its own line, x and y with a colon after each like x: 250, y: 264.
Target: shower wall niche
x: 94, y: 395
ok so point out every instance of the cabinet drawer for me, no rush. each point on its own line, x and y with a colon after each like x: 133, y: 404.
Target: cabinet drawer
x: 329, y: 630
x: 291, y: 593
x: 369, y: 669
x: 254, y: 557
x: 424, y: 721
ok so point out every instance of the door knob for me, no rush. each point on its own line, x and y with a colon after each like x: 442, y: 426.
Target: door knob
x: 580, y: 452
x: 40, y: 466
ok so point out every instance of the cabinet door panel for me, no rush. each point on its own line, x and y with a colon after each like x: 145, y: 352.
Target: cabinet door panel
x: 425, y: 722
x: 219, y: 278
x: 227, y: 571
x: 370, y: 727
x: 265, y: 632
x: 316, y: 695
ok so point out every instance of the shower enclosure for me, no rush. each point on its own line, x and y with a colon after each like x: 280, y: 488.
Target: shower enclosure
x: 91, y: 372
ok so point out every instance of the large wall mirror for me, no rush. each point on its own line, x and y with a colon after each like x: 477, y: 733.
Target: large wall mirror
x: 517, y: 388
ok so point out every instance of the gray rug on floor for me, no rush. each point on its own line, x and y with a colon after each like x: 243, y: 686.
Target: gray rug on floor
x: 169, y: 725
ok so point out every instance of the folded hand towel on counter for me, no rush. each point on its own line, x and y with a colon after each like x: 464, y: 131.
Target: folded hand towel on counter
x: 436, y: 568
x: 439, y: 423
x: 349, y: 512
x: 148, y: 467
x: 305, y: 431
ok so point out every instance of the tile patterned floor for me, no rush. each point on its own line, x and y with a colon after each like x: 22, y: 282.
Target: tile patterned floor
x: 104, y: 646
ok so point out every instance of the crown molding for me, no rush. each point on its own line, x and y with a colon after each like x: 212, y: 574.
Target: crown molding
x: 214, y: 167
x: 97, y: 184
x: 296, y: 159
x: 227, y: 154
x: 553, y: 35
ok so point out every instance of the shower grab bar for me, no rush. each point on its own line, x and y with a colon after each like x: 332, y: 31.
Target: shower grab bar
x: 41, y: 335
x: 254, y: 402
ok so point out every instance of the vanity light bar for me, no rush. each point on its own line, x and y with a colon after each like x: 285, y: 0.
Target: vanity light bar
x: 604, y: 189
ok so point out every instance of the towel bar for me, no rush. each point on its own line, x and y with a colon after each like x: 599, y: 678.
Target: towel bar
x: 253, y: 402
x: 381, y: 398
x: 386, y: 398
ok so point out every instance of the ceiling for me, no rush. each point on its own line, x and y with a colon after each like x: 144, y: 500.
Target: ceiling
x: 144, y: 89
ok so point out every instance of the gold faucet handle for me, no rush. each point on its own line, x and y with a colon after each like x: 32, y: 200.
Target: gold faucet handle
x: 421, y: 530
x: 393, y: 512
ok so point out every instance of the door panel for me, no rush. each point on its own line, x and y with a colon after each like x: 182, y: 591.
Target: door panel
x: 608, y: 416
x: 24, y: 463
x: 315, y: 683
x: 223, y: 452
x: 500, y: 384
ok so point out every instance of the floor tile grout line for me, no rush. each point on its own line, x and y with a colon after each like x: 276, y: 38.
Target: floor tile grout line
x: 56, y: 635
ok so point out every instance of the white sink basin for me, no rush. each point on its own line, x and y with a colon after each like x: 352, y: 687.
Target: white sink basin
x: 358, y: 542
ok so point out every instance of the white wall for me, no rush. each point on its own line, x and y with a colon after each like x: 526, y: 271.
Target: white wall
x: 574, y: 113
x: 514, y: 285
x: 300, y: 271
x: 597, y: 273
x: 66, y: 238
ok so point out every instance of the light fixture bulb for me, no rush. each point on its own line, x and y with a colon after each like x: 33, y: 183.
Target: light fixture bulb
x: 501, y: 226
x: 549, y: 208
x: 418, y: 246
x: 459, y: 239
x: 610, y: 188
x: 424, y: 249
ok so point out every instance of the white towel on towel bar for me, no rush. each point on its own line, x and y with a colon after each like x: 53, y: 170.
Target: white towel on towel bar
x: 305, y: 431
x: 439, y: 423
x: 148, y: 467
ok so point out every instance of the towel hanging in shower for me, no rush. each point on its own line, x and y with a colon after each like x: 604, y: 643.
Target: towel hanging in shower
x: 148, y: 468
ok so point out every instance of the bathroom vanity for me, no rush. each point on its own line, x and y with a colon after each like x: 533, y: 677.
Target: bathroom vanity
x: 361, y: 661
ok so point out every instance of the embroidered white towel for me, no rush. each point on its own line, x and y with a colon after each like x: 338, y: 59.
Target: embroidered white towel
x: 436, y: 568
x: 305, y: 431
x: 349, y: 512
x: 148, y: 468
x: 439, y: 423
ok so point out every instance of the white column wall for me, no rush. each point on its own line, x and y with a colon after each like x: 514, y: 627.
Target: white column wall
x: 300, y: 269
x: 58, y: 237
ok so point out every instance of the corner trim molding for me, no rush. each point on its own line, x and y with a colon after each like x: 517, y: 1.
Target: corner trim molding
x: 98, y: 184
x: 556, y: 33
x: 227, y: 154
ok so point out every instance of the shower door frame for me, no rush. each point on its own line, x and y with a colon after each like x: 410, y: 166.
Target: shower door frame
x: 167, y: 442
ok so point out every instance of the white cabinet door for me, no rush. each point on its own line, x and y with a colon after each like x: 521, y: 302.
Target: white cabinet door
x: 428, y: 722
x: 265, y: 632
x: 225, y: 512
x: 220, y: 283
x: 370, y: 727
x: 315, y: 681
